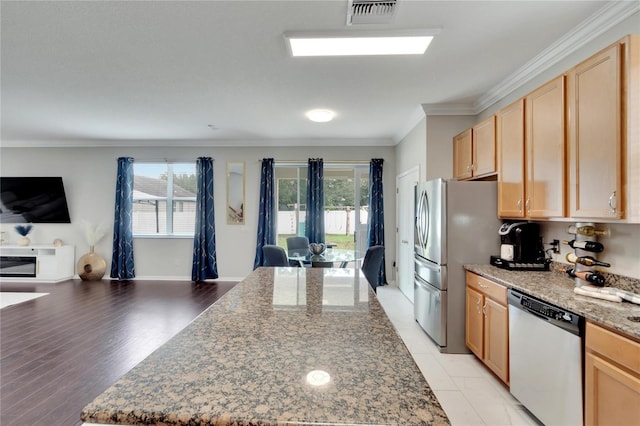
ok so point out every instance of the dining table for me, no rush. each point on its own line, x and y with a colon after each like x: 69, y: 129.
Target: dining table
x: 340, y: 256
x: 285, y: 346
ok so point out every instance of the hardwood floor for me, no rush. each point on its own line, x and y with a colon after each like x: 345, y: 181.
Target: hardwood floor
x: 60, y: 351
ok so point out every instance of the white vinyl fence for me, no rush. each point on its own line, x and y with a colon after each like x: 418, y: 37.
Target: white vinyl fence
x: 335, y: 222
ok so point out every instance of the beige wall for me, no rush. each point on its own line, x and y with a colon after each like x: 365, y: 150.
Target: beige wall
x: 411, y: 151
x: 621, y: 249
x: 89, y: 177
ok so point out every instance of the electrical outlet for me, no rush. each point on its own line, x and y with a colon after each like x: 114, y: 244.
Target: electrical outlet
x: 555, y: 246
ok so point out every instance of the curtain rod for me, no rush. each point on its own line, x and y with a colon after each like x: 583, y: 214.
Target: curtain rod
x: 325, y: 161
x: 165, y: 160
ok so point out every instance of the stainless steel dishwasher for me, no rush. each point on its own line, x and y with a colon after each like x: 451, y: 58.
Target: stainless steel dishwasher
x: 545, y: 359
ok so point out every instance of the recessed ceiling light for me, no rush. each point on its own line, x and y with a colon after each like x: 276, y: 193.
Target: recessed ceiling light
x: 320, y: 115
x: 360, y: 43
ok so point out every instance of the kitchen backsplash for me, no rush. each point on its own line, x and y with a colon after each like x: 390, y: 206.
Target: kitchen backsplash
x: 621, y: 248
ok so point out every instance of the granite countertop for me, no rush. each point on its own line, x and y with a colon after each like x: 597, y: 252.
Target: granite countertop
x: 557, y: 288
x: 245, y: 361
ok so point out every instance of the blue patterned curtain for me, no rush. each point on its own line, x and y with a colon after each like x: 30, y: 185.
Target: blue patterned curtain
x: 314, y: 220
x: 205, y: 264
x: 122, y: 258
x: 375, y: 231
x: 267, y: 211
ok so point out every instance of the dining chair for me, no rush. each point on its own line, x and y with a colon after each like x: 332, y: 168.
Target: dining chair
x: 274, y: 256
x: 372, y: 263
x: 298, y: 245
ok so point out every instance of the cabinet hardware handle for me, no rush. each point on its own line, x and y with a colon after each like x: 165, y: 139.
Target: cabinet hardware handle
x: 484, y: 309
x: 612, y: 197
x: 483, y: 286
x: 520, y: 204
x: 468, y: 167
x: 526, y: 206
x: 478, y: 306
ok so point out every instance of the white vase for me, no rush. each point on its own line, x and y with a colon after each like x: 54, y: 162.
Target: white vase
x: 23, y: 240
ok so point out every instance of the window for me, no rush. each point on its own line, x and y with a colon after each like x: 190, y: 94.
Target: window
x: 164, y: 199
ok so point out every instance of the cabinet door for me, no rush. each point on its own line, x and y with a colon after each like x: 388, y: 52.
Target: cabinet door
x: 510, y: 142
x: 474, y: 329
x: 484, y: 147
x: 496, y: 338
x: 462, y: 161
x: 595, y: 143
x: 612, y: 395
x: 545, y: 151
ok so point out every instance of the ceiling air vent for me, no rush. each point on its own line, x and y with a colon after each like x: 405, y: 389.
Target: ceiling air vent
x: 371, y: 11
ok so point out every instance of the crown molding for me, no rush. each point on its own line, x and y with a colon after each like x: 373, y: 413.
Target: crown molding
x: 604, y: 19
x: 197, y: 143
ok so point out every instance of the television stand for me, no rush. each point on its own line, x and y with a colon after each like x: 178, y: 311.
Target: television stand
x: 36, y: 263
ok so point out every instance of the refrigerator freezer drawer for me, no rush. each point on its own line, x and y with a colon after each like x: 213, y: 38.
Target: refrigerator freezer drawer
x: 429, y: 308
x: 435, y: 275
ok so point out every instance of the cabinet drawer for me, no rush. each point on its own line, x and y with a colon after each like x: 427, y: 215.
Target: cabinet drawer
x: 617, y: 348
x: 490, y: 289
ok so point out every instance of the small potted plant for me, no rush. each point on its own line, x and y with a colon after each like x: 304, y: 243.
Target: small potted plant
x: 23, y: 231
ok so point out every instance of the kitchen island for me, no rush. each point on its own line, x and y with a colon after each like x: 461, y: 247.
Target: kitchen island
x: 302, y: 346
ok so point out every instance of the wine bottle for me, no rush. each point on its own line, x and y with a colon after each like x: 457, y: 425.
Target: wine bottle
x: 586, y: 230
x: 586, y: 260
x: 589, y: 276
x: 593, y: 246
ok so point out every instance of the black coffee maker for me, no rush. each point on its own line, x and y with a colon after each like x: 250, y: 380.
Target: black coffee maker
x: 520, y: 242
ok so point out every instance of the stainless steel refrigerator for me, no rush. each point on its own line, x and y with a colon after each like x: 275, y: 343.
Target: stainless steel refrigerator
x: 455, y: 223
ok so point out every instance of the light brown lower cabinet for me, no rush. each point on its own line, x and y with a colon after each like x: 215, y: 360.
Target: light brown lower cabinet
x: 612, y: 378
x: 487, y: 324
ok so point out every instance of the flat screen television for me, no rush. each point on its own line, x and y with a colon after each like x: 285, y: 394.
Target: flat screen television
x: 33, y: 200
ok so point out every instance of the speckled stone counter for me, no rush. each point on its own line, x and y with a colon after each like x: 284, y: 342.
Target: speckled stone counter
x: 557, y: 288
x: 245, y: 361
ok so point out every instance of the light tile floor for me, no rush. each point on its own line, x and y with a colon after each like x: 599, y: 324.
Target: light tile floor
x: 467, y: 391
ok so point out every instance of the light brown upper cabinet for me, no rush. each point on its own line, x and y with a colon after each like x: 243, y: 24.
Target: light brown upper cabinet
x: 604, y: 134
x: 531, y: 154
x: 474, y: 151
x: 510, y: 139
x: 545, y: 150
x: 462, y: 155
x: 484, y: 147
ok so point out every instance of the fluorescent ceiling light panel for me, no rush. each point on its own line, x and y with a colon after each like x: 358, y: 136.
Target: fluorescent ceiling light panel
x: 359, y: 44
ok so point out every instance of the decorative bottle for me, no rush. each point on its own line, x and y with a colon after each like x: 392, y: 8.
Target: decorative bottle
x: 586, y: 260
x: 592, y: 246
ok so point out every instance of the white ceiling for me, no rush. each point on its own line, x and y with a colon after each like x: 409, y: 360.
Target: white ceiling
x: 157, y: 72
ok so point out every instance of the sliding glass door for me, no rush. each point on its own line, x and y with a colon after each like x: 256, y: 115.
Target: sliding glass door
x: 346, y: 194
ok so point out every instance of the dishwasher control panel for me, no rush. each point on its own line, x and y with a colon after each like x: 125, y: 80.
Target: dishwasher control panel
x: 545, y: 309
x: 554, y: 314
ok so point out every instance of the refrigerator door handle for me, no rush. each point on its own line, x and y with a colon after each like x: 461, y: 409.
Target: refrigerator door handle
x: 421, y: 282
x: 419, y: 214
x: 421, y: 217
x: 425, y: 240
